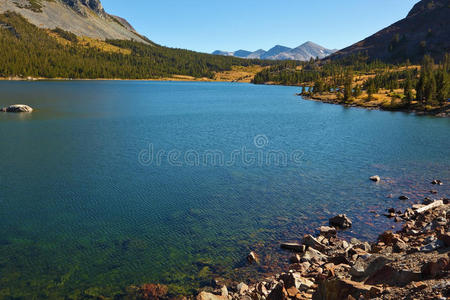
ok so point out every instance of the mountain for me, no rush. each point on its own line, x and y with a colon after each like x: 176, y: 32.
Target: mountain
x: 303, y: 52
x: 81, y: 17
x: 273, y: 52
x: 425, y: 30
x: 223, y: 53
x: 242, y: 53
x: 257, y: 54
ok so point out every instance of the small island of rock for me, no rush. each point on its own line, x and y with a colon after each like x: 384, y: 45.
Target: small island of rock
x: 17, y: 108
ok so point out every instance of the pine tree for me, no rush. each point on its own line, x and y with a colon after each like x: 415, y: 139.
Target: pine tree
x: 348, y: 86
x: 408, y: 91
x: 442, y: 87
x: 371, y: 89
x: 318, y: 86
x: 430, y: 89
x: 357, y: 91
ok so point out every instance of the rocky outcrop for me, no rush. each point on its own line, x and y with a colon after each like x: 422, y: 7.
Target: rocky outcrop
x: 17, y: 108
x: 82, y: 6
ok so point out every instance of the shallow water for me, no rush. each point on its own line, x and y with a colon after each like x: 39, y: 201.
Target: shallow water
x: 84, y: 210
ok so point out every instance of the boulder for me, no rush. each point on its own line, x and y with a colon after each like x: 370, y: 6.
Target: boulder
x: 292, y: 291
x: 241, y: 288
x: 327, y: 231
x: 295, y: 259
x: 365, y: 267
x: 312, y: 242
x: 296, y: 247
x: 388, y: 237
x: 210, y: 296
x: 375, y: 178
x: 403, y: 197
x: 17, y: 108
x: 400, y: 246
x: 224, y: 291
x: 340, y: 221
x: 433, y: 269
x: 278, y: 293
x: 445, y: 238
x: 295, y: 279
x: 261, y: 289
x: 313, y: 254
x: 434, y: 245
x: 393, y: 276
x: 301, y: 267
x: 338, y: 289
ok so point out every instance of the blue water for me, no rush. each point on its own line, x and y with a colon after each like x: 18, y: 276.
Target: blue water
x: 85, y: 211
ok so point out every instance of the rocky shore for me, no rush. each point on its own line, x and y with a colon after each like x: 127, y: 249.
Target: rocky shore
x: 437, y: 112
x: 413, y: 263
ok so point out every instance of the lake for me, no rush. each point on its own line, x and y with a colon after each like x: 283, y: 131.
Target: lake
x: 116, y: 183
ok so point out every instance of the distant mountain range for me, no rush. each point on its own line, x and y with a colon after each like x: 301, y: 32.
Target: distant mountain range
x: 425, y: 30
x: 303, y: 52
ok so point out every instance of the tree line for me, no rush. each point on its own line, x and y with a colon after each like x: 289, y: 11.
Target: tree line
x: 427, y: 84
x: 30, y: 51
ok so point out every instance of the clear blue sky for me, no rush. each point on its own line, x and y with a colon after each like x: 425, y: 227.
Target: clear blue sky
x: 208, y: 25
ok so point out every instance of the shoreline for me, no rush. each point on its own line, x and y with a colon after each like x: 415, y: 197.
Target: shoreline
x: 438, y: 112
x: 181, y: 79
x: 412, y: 263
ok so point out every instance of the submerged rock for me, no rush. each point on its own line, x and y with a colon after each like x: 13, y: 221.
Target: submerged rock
x: 252, y: 258
x: 17, y: 108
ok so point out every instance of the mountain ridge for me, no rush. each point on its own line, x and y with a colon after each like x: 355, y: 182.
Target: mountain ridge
x: 425, y: 30
x: 304, y: 52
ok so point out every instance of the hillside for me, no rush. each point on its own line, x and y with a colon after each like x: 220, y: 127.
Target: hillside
x: 29, y: 51
x: 81, y: 17
x: 425, y: 30
x: 303, y: 52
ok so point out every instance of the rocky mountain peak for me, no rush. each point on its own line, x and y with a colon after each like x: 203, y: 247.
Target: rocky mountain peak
x: 81, y: 6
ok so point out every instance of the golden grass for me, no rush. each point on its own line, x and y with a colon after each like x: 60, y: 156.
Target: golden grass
x: 90, y: 43
x: 238, y: 74
x: 101, y: 45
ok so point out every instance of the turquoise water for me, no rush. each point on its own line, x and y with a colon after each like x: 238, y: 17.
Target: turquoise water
x: 85, y: 211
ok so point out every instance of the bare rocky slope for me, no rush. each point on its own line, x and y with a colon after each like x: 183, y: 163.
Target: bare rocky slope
x: 426, y: 30
x: 82, y: 17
